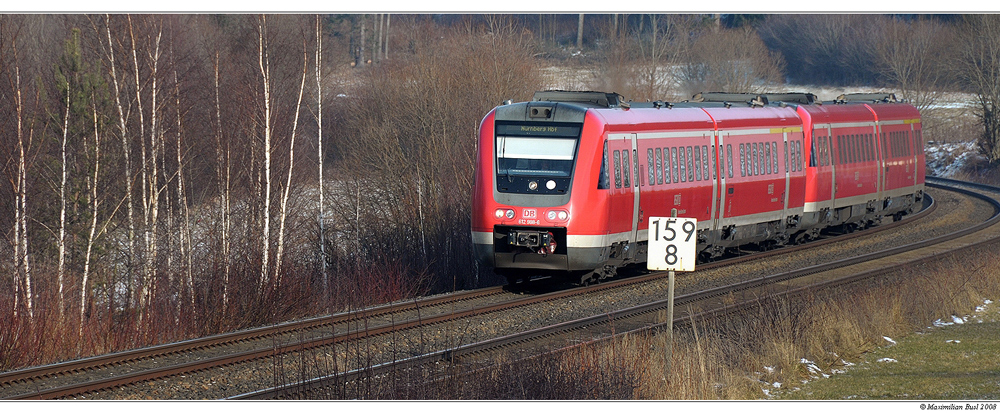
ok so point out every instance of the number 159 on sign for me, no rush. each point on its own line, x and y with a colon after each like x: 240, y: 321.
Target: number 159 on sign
x: 672, y: 244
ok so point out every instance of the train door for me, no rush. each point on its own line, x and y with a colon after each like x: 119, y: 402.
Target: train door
x: 719, y: 184
x: 636, y: 211
x: 879, y: 160
x: 788, y: 177
x: 624, y: 199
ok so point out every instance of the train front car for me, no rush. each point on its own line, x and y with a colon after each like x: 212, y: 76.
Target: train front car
x: 531, y: 158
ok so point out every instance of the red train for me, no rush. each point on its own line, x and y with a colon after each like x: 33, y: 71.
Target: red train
x: 565, y: 183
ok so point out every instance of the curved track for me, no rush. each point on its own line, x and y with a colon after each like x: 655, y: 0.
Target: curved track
x: 448, y: 311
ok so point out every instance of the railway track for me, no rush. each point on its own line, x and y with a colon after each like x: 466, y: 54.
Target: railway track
x: 292, y: 337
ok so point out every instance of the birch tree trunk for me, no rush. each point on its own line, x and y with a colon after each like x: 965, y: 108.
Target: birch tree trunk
x: 61, y: 242
x: 291, y: 166
x: 21, y: 256
x: 93, y: 223
x: 319, y: 156
x: 125, y: 151
x: 223, y: 174
x: 264, y: 64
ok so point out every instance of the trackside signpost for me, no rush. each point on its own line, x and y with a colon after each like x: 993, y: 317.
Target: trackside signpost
x: 672, y: 243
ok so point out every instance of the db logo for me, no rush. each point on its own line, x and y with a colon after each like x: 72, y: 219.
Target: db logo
x: 530, y: 213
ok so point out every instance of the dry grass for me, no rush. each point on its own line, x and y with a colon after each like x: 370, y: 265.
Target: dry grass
x: 743, y: 355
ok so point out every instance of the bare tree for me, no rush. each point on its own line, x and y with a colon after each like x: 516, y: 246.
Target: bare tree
x: 978, y: 68
x: 733, y: 61
x: 22, y: 258
x: 224, y: 176
x: 291, y: 166
x: 265, y: 71
x: 319, y: 149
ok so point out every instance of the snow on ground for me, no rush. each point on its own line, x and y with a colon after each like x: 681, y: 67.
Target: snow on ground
x: 947, y: 159
x: 815, y: 372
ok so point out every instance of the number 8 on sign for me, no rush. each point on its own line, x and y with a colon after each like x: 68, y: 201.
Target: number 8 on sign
x: 672, y: 244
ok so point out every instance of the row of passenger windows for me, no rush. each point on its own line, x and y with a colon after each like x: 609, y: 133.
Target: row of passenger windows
x: 694, y: 163
x: 853, y: 148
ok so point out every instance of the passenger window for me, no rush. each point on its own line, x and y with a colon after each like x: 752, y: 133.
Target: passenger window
x: 774, y: 157
x: 786, y: 155
x: 618, y: 169
x: 697, y: 164
x: 760, y: 159
x: 635, y: 166
x: 674, y: 163
x: 767, y: 158
x: 690, y: 163
x: 627, y: 168
x: 709, y: 162
x: 729, y: 159
x: 683, y: 165
x: 666, y: 165
x: 659, y: 166
x: 743, y: 160
x: 649, y: 166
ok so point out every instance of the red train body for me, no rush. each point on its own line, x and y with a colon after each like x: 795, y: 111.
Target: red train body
x: 565, y: 183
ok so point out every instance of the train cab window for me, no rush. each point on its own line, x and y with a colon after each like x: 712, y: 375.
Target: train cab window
x: 659, y: 166
x: 649, y: 166
x: 697, y: 163
x: 603, y: 181
x: 618, y: 169
x: 673, y: 165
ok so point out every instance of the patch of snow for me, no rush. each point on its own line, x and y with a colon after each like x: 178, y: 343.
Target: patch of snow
x: 953, y: 341
x: 891, y: 341
x: 769, y: 369
x: 939, y: 323
x: 776, y: 385
x: 957, y: 320
x: 887, y: 360
x: 947, y: 159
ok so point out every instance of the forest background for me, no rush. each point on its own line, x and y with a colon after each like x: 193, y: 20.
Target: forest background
x: 174, y: 176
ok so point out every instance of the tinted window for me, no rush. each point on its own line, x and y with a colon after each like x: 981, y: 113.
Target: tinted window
x: 618, y: 169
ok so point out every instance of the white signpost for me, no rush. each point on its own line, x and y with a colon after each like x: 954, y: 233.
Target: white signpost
x: 672, y: 243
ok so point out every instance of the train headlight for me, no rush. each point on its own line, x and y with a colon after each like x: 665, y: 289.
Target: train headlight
x: 557, y: 215
x: 550, y: 184
x: 501, y: 213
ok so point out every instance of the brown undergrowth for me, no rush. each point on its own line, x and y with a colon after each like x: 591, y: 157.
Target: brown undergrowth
x: 741, y: 355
